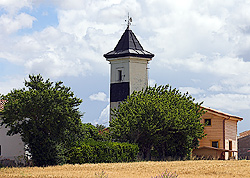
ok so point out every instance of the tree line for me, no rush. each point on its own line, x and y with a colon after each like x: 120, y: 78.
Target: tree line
x: 156, y: 122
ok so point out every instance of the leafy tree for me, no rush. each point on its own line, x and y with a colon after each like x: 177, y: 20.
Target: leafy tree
x: 91, y: 132
x: 100, y: 127
x: 47, y: 117
x: 160, y: 120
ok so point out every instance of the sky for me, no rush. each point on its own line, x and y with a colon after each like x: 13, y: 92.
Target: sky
x: 202, y: 47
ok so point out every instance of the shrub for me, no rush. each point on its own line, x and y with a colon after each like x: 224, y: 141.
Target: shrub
x: 167, y: 175
x: 102, y: 152
x: 101, y: 175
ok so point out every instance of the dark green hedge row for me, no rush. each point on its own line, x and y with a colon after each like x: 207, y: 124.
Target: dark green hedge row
x: 103, y: 152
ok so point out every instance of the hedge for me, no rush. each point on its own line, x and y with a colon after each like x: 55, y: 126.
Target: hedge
x: 103, y: 152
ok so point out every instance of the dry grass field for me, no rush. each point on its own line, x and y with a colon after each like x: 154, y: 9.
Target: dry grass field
x: 193, y: 169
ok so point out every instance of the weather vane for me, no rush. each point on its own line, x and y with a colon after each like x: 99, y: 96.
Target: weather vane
x: 129, y: 21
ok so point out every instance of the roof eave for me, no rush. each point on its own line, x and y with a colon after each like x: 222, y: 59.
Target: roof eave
x: 222, y: 113
x: 219, y: 149
x: 110, y: 56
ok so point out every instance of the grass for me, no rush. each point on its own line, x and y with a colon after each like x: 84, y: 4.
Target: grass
x: 194, y: 169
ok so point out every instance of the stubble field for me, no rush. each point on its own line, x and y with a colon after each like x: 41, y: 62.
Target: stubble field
x: 194, y: 169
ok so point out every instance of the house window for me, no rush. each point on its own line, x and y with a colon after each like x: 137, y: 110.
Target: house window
x: 215, y: 144
x: 119, y: 75
x: 230, y: 145
x: 230, y: 148
x: 208, y: 122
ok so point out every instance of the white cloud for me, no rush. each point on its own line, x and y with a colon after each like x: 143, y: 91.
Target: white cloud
x: 100, y: 96
x: 151, y: 82
x: 104, y: 116
x: 56, y: 53
x: 12, y: 6
x: 228, y: 102
x: 215, y: 88
x: 190, y: 35
x: 203, y: 46
x: 11, y: 82
x: 88, y: 4
x: 9, y: 24
x: 191, y: 90
x: 226, y: 66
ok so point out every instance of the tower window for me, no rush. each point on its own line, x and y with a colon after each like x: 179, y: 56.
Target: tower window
x: 119, y: 75
x: 0, y: 150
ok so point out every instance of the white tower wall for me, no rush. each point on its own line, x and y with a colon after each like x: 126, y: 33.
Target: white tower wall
x: 138, y: 74
x: 128, y: 63
x: 131, y: 70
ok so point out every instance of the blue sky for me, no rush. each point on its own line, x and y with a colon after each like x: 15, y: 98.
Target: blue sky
x: 200, y: 46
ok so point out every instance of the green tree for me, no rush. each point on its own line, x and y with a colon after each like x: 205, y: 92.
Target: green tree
x: 100, y: 127
x: 47, y: 117
x: 160, y: 120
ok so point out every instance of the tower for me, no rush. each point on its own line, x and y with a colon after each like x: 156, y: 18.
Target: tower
x: 128, y: 67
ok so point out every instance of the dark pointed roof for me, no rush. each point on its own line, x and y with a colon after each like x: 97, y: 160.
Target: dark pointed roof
x: 127, y: 46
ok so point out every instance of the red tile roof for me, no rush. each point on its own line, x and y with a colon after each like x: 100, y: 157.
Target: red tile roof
x: 244, y: 134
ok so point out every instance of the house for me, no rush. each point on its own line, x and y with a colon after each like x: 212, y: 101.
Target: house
x: 220, y: 141
x: 11, y: 147
x: 244, y: 145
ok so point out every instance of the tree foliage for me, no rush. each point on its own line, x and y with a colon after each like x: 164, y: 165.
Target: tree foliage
x: 96, y: 133
x: 47, y: 117
x: 161, y: 120
x: 91, y: 151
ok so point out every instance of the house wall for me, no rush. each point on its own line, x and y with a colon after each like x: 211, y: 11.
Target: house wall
x: 214, y: 132
x: 244, y: 147
x: 11, y: 146
x: 231, y: 136
x: 207, y: 153
x: 224, y: 130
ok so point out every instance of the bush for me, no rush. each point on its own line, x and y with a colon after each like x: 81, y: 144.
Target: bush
x: 167, y: 175
x: 102, y: 152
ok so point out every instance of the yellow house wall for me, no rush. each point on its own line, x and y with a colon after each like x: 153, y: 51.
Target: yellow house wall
x: 214, y: 132
x: 231, y: 135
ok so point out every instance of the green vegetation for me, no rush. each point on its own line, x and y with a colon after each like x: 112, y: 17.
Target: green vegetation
x: 46, y: 116
x: 101, y: 175
x: 103, y: 152
x: 91, y: 132
x: 167, y: 175
x: 161, y: 120
x: 157, y: 122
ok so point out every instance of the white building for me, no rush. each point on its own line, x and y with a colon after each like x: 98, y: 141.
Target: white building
x: 11, y: 147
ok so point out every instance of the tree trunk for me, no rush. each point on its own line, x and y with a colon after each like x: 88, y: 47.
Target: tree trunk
x: 147, y: 153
